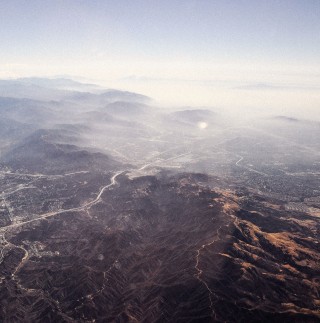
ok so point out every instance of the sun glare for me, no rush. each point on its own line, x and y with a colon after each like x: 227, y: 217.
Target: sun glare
x: 202, y: 125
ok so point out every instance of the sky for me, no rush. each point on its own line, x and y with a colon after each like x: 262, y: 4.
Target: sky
x: 227, y: 53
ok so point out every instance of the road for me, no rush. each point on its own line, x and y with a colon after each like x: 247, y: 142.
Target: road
x: 25, y: 258
x: 199, y: 271
x: 237, y: 163
x: 249, y: 168
x: 79, y: 208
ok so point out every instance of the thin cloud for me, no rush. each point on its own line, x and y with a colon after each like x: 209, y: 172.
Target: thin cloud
x: 274, y: 86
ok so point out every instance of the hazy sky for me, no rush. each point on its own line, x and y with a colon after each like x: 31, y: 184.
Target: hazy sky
x: 218, y: 53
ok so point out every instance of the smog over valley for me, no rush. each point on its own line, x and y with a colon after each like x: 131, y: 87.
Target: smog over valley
x: 160, y: 161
